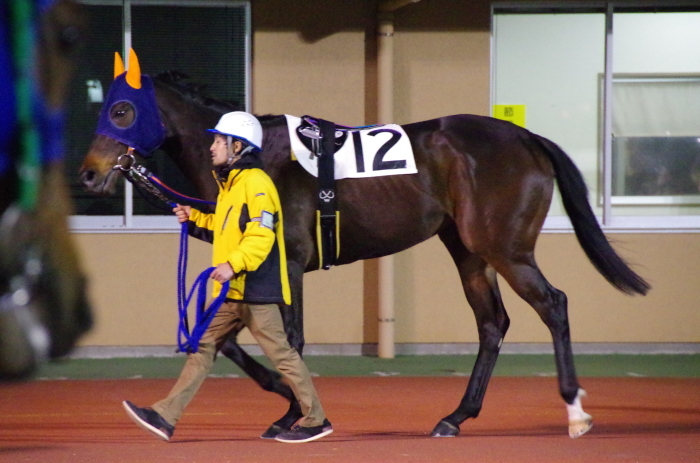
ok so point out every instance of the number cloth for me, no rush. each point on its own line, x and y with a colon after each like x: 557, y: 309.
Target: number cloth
x: 373, y: 152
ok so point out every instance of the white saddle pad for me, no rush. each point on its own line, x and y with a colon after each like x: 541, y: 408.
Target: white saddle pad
x: 383, y: 150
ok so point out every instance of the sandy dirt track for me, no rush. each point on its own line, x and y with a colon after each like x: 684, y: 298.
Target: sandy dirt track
x: 375, y: 419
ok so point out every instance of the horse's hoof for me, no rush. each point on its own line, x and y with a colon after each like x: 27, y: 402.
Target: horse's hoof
x: 273, y: 431
x: 580, y: 427
x: 445, y: 429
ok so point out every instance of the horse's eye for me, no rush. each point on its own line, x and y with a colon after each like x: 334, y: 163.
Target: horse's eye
x: 122, y: 114
x: 70, y: 37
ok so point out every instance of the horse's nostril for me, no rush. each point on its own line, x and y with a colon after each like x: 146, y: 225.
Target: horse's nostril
x: 87, y: 177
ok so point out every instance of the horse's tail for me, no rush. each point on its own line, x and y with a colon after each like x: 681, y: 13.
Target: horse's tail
x: 574, y: 195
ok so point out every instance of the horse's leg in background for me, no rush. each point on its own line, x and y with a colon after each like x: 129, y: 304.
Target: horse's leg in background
x: 293, y: 315
x: 481, y: 288
x: 268, y: 379
x: 527, y: 281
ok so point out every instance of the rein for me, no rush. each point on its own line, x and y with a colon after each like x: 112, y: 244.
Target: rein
x: 143, y: 179
x: 187, y: 341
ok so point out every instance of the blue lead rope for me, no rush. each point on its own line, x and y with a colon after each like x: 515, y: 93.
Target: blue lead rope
x: 189, y: 342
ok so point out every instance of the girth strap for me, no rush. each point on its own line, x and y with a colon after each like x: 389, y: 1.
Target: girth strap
x: 327, y: 235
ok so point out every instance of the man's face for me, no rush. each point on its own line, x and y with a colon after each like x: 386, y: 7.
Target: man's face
x: 219, y: 150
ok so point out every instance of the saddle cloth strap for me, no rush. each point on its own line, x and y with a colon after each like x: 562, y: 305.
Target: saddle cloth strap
x: 327, y: 220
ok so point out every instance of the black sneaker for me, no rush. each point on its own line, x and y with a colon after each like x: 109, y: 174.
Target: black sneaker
x: 150, y: 420
x: 300, y: 434
x: 273, y: 431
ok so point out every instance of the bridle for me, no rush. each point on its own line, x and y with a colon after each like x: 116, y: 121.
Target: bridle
x: 140, y: 176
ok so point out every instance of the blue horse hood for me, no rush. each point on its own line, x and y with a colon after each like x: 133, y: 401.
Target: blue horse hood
x: 146, y: 133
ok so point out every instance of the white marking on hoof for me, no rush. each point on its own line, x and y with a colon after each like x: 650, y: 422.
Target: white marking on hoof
x: 580, y: 422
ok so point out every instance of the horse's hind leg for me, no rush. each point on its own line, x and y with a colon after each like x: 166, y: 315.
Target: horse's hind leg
x: 551, y: 305
x: 481, y: 288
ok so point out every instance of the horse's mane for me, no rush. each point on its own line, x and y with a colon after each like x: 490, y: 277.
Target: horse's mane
x: 179, y: 82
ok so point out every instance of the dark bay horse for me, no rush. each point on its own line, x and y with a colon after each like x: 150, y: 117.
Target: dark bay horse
x: 483, y: 186
x: 43, y: 304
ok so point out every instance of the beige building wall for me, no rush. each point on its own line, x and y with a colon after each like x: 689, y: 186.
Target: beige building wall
x: 304, y: 63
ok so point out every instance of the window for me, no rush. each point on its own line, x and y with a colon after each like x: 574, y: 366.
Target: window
x: 552, y: 62
x: 208, y: 41
x: 656, y: 140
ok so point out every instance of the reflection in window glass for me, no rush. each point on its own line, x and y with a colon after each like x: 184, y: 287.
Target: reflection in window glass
x: 656, y: 149
x: 655, y: 130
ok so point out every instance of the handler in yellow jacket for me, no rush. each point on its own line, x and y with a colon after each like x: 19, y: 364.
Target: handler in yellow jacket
x: 247, y: 233
x: 248, y: 250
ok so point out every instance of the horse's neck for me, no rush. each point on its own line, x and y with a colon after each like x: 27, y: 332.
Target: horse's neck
x: 187, y: 143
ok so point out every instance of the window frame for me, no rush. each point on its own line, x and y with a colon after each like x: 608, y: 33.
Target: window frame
x: 129, y: 222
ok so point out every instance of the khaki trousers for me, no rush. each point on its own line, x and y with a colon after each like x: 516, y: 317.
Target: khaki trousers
x: 265, y: 324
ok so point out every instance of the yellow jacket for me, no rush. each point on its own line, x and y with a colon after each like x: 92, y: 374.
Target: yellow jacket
x: 246, y: 231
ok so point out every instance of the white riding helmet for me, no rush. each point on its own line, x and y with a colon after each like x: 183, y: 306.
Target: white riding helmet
x: 242, y: 125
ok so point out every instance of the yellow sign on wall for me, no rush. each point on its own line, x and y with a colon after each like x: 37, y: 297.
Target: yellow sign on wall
x: 514, y: 113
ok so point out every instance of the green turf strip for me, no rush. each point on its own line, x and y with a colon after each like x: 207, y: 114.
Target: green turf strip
x: 680, y: 366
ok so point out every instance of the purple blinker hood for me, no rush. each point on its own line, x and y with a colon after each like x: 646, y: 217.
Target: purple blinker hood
x: 147, y: 132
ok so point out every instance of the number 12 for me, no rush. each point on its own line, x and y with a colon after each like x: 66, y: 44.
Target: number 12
x: 378, y: 163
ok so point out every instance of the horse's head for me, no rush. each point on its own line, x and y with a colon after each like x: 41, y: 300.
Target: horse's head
x: 60, y: 36
x: 129, y: 122
x: 43, y: 305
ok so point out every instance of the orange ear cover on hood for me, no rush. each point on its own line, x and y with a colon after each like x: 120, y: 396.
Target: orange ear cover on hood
x: 133, y: 74
x: 119, y: 68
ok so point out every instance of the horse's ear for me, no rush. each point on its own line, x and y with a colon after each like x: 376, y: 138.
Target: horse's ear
x: 118, y: 65
x: 133, y: 74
